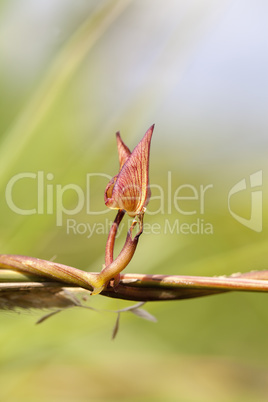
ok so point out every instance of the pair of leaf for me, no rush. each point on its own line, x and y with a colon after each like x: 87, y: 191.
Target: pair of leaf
x: 129, y: 190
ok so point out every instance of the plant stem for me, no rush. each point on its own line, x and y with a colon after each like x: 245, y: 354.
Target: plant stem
x: 109, y: 250
x: 136, y: 287
x: 48, y: 269
x: 74, y: 276
x: 112, y: 270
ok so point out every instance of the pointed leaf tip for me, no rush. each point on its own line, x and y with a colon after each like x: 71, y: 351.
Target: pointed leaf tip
x: 130, y: 189
x: 140, y: 312
x: 116, y: 326
x: 123, y: 151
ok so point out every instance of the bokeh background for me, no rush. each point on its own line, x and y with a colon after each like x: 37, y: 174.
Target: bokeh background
x: 72, y: 74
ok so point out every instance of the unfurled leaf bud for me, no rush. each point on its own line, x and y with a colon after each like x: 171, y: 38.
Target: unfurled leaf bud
x: 130, y: 190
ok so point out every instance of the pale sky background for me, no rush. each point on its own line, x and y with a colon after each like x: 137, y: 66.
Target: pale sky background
x: 204, y: 63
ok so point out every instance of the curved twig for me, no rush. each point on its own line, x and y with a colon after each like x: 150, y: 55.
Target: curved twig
x: 136, y: 287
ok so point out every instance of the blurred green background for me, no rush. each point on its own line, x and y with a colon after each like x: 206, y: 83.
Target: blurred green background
x: 72, y: 74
